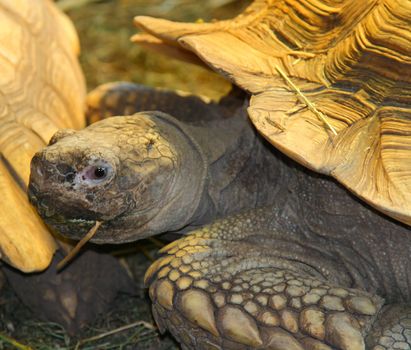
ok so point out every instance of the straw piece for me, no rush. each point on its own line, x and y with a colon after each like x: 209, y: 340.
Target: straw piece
x: 78, y: 246
x: 305, y: 100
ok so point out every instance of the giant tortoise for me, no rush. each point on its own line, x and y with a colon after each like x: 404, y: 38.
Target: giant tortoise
x: 312, y: 266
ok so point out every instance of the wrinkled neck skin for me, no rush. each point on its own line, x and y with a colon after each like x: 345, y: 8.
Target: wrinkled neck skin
x: 241, y: 168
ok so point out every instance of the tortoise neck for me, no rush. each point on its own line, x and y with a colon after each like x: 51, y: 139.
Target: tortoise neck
x: 241, y: 167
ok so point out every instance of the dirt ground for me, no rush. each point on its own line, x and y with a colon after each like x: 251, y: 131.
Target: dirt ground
x: 107, y: 55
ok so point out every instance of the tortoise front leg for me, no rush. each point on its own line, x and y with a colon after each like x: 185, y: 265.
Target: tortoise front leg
x: 223, y: 287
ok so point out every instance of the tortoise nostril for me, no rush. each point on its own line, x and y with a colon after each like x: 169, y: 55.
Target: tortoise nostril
x: 65, y: 169
x: 70, y: 177
x: 43, y: 170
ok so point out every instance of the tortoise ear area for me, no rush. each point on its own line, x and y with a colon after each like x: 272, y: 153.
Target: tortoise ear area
x: 60, y: 134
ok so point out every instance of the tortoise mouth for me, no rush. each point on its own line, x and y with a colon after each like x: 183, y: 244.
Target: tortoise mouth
x: 72, y: 223
x: 76, y: 224
x: 110, y: 232
x: 73, y: 218
x: 72, y: 228
x: 76, y: 228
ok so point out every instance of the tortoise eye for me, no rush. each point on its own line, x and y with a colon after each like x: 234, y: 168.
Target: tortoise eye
x: 96, y: 173
x: 100, y: 172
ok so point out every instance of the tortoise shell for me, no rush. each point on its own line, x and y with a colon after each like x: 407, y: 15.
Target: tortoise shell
x: 330, y: 84
x: 41, y: 90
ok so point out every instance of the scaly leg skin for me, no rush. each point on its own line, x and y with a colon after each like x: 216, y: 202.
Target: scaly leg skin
x: 392, y: 329
x: 223, y: 288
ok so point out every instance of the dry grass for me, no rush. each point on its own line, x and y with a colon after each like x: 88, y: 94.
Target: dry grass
x: 128, y: 325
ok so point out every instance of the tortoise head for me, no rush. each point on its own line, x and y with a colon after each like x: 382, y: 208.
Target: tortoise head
x: 140, y: 175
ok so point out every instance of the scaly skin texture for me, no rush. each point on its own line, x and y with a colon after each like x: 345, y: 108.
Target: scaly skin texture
x: 313, y: 269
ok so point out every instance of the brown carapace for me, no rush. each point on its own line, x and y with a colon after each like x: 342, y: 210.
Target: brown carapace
x: 42, y: 89
x: 350, y: 59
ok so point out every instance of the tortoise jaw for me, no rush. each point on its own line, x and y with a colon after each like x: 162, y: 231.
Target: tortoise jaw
x: 72, y: 224
x: 75, y: 227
